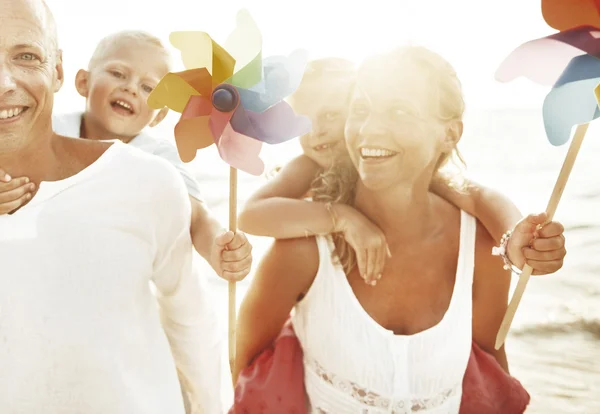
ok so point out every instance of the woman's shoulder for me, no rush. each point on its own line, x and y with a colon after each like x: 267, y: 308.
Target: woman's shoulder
x: 295, y: 261
x: 484, y: 242
x: 301, y: 253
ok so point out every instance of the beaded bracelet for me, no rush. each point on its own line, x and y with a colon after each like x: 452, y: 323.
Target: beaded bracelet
x: 501, y: 251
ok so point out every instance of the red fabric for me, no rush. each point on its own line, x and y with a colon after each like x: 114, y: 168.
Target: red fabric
x: 274, y: 383
x: 488, y: 389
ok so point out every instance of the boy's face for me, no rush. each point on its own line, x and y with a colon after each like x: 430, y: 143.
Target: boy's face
x: 326, y: 104
x: 119, y: 83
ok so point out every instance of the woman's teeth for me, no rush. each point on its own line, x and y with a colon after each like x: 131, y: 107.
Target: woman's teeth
x: 376, y: 153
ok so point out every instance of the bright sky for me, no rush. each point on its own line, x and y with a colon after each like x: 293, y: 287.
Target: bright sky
x: 474, y: 35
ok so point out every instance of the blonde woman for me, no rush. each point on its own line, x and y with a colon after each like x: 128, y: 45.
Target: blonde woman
x: 402, y: 345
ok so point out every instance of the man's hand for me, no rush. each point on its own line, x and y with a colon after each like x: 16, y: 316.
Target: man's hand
x: 231, y: 256
x: 539, y: 244
x: 14, y: 192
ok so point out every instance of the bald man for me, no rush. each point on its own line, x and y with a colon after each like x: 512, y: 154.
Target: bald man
x: 80, y: 328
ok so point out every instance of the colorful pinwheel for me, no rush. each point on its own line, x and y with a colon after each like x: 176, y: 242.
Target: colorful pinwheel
x: 230, y: 96
x: 233, y: 98
x: 570, y: 62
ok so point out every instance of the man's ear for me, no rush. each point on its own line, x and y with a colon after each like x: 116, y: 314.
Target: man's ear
x: 159, y: 117
x: 82, y: 82
x: 60, y: 73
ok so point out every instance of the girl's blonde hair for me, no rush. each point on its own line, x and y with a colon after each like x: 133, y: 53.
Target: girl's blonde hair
x: 329, y: 72
x: 338, y: 184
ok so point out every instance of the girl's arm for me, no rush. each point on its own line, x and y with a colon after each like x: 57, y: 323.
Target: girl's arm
x: 285, y: 273
x: 493, y: 209
x: 535, y: 241
x: 277, y: 210
x: 491, y: 285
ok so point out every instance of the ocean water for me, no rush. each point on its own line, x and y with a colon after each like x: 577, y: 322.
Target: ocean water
x: 554, y: 344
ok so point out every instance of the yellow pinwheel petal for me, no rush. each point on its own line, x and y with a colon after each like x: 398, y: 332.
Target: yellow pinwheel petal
x: 199, y: 50
x: 195, y: 47
x: 245, y: 45
x: 174, y: 89
x: 223, y: 64
x: 597, y: 92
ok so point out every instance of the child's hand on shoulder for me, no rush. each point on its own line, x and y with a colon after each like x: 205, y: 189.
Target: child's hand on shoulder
x: 231, y: 256
x: 14, y: 192
x: 539, y: 244
x: 367, y: 240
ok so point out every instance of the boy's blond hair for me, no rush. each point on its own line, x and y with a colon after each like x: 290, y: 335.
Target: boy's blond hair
x: 127, y: 35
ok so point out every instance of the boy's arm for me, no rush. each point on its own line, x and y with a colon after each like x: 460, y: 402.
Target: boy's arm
x: 209, y: 237
x: 228, y: 253
x: 186, y: 311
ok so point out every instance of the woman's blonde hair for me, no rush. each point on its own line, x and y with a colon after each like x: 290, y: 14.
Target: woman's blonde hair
x: 338, y: 184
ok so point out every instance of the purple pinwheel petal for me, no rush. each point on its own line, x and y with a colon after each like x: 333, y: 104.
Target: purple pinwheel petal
x: 585, y: 38
x: 242, y: 124
x: 277, y: 124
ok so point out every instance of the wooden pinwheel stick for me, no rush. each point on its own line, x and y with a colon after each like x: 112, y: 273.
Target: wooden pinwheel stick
x: 232, y: 286
x: 559, y: 187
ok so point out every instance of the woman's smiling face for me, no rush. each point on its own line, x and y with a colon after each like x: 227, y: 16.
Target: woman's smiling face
x: 392, y: 134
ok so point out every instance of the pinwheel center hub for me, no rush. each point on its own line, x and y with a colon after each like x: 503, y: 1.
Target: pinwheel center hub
x: 225, y: 98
